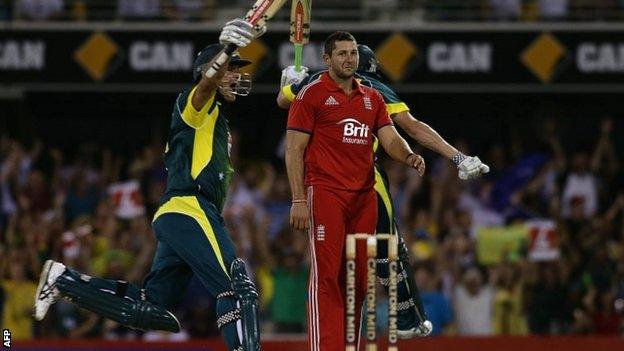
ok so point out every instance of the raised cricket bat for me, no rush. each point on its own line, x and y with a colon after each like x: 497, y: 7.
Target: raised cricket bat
x: 259, y: 13
x: 300, y: 28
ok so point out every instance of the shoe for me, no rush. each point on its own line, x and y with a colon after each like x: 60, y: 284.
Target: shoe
x: 424, y: 329
x: 47, y: 293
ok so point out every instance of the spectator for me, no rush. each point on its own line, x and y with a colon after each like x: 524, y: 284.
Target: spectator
x: 7, y: 188
x: 600, y: 305
x: 277, y: 206
x: 580, y: 188
x: 604, y: 162
x: 90, y: 10
x: 553, y: 10
x: 288, y: 306
x: 502, y: 10
x: 379, y: 9
x: 81, y: 197
x: 288, y: 275
x: 20, y: 292
x: 190, y: 10
x: 38, y: 10
x: 509, y: 315
x: 36, y: 196
x: 437, y: 306
x: 596, y: 10
x: 138, y: 10
x: 453, y: 9
x: 549, y: 309
x: 473, y: 305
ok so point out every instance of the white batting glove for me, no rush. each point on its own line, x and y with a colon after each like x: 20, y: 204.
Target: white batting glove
x: 471, y: 167
x: 238, y: 32
x: 291, y: 76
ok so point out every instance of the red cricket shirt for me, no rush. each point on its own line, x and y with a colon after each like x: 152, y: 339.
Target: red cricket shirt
x: 340, y: 150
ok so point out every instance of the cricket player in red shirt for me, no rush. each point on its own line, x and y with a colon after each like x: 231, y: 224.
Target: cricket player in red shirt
x: 329, y: 139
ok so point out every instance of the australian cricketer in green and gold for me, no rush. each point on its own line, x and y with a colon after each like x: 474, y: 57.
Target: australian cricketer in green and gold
x: 192, y: 239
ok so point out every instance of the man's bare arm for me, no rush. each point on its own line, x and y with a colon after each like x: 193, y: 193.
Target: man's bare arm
x: 207, y: 86
x: 296, y: 143
x: 399, y: 149
x: 424, y: 134
x: 469, y: 167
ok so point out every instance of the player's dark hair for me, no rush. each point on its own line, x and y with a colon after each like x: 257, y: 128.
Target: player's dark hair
x: 330, y: 42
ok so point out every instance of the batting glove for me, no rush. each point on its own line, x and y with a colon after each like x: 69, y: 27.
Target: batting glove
x: 238, y: 32
x: 291, y: 76
x: 470, y: 167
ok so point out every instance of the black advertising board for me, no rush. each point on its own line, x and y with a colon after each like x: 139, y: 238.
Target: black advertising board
x: 445, y: 59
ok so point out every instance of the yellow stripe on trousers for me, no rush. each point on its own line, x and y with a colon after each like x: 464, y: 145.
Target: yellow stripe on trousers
x: 381, y: 189
x: 189, y: 206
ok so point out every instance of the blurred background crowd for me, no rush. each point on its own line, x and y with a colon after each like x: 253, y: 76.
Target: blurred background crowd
x: 535, y: 247
x: 328, y: 10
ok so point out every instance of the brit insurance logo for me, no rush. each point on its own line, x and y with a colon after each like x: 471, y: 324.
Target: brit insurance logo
x: 354, y: 131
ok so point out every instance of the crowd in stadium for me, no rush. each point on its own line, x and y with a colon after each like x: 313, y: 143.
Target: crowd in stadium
x: 412, y: 10
x: 479, y: 271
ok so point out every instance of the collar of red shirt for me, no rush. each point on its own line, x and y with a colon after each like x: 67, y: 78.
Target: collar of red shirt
x: 331, y: 85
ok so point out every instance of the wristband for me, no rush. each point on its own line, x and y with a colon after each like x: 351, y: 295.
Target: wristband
x: 299, y: 201
x: 458, y: 158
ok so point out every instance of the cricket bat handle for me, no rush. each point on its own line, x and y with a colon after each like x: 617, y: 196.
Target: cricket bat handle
x: 298, y: 57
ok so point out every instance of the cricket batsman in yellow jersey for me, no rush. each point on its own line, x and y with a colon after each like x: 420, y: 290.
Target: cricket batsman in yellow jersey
x: 192, y: 239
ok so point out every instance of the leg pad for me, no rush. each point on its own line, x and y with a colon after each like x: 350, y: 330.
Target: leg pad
x: 246, y: 292
x: 134, y: 313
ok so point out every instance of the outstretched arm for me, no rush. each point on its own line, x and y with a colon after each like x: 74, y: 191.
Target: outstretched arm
x: 207, y: 87
x: 424, y: 134
x: 238, y: 32
x: 469, y: 167
x: 399, y: 150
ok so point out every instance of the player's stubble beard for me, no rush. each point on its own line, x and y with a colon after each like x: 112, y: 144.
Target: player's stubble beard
x: 344, y: 70
x: 344, y: 73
